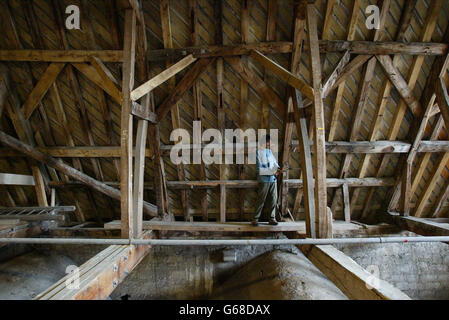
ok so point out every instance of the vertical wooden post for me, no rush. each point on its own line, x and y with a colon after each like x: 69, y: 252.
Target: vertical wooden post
x: 318, y: 118
x: 40, y: 187
x: 346, y: 202
x: 139, y: 173
x: 298, y: 35
x: 305, y: 157
x: 221, y: 125
x: 126, y: 128
x: 218, y: 13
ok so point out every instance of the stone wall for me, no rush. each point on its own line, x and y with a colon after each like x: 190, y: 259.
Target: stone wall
x: 420, y: 270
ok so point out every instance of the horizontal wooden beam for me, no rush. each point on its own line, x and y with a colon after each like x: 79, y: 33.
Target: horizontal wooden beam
x: 248, y: 184
x: 212, y: 226
x: 340, y: 228
x: 16, y: 179
x: 433, y: 146
x: 326, y: 46
x: 335, y: 147
x: 421, y: 226
x: 61, y: 55
x: 100, y: 275
x: 143, y: 113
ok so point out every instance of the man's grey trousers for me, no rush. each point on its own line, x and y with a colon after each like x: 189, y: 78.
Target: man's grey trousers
x: 266, y: 198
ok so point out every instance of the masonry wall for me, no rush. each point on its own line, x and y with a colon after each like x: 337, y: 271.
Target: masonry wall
x: 420, y: 270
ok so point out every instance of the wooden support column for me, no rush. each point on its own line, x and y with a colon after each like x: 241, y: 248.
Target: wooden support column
x: 126, y: 128
x: 142, y: 130
x: 298, y: 35
x: 346, y: 203
x: 221, y: 126
x: 139, y: 172
x: 305, y: 157
x: 319, y: 158
x: 221, y: 115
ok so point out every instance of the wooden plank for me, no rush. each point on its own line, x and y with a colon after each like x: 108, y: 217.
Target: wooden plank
x: 353, y: 280
x: 442, y: 197
x: 335, y: 147
x: 306, y: 165
x: 61, y: 56
x: 400, y: 84
x: 325, y: 46
x: 183, y: 86
x: 424, y: 197
x: 139, y: 172
x: 283, y: 74
x: 341, y: 73
x: 319, y: 158
x: 41, y: 88
x: 214, y: 226
x: 143, y: 112
x: 251, y: 184
x: 102, y: 70
x: 341, y: 88
x: 257, y: 84
x: 331, y: 80
x: 40, y: 187
x: 16, y: 179
x: 100, y: 275
x: 295, y: 62
x: 156, y: 81
x: 347, y: 203
x: 406, y: 183
x: 107, y: 85
x: 424, y: 227
x: 126, y: 126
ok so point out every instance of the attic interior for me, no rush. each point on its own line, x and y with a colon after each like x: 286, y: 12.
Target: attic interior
x: 354, y: 94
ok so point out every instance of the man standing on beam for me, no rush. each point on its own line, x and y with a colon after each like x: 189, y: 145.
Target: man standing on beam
x: 268, y: 170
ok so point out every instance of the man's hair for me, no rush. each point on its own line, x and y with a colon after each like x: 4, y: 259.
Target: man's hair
x: 267, y: 138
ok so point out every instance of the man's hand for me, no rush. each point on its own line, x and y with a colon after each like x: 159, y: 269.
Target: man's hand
x: 279, y: 171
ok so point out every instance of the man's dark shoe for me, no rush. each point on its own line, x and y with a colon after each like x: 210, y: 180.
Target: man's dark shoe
x: 255, y: 223
x: 273, y: 222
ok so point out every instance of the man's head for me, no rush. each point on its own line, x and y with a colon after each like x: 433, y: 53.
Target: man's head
x: 267, y: 141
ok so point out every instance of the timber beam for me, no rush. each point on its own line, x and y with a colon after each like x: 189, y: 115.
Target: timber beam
x: 352, y: 279
x: 325, y: 46
x: 100, y: 275
x: 422, y: 226
x: 248, y: 184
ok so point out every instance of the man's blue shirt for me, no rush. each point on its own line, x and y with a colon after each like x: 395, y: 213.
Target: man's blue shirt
x: 266, y: 165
